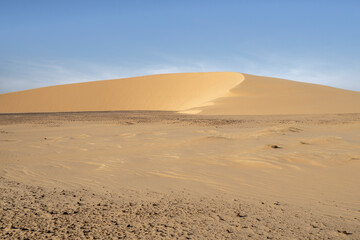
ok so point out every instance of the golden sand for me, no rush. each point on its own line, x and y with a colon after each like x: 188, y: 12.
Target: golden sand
x: 218, y: 93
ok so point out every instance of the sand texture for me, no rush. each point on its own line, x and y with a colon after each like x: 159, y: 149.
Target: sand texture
x: 165, y: 175
x: 217, y: 93
x: 180, y: 156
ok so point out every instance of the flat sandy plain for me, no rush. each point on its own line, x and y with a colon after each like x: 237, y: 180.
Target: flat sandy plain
x: 146, y: 175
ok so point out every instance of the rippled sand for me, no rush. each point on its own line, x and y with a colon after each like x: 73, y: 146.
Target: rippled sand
x: 163, y: 174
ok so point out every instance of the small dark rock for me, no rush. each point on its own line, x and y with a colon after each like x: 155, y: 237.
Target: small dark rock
x: 242, y: 216
x: 344, y: 232
x: 275, y: 146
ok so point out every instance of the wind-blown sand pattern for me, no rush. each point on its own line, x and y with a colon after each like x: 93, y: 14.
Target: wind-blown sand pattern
x: 216, y: 174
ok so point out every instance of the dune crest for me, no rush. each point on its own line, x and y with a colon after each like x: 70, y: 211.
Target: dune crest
x: 214, y: 93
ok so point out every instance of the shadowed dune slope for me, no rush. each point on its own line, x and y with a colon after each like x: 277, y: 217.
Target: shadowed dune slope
x: 264, y: 96
x: 217, y: 93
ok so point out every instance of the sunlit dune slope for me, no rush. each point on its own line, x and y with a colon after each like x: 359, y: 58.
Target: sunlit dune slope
x: 217, y: 93
x: 155, y: 92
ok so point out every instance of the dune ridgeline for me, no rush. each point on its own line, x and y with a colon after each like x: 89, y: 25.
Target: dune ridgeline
x: 215, y: 93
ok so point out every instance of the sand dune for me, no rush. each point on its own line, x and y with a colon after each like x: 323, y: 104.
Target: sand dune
x: 167, y: 92
x: 263, y: 95
x: 217, y: 93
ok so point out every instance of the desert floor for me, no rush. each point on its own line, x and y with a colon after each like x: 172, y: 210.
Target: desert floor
x: 165, y: 175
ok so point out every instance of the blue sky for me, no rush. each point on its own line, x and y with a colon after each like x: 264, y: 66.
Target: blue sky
x: 46, y: 42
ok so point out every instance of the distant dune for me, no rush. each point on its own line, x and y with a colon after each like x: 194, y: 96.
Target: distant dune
x: 217, y: 93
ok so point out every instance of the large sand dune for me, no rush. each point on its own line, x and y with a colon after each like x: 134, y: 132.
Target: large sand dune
x: 167, y: 92
x: 218, y: 93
